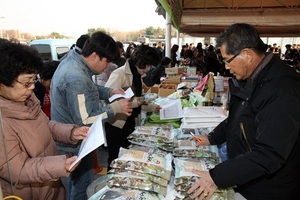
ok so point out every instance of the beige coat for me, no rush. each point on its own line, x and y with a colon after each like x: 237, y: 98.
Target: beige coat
x: 122, y: 78
x: 33, y: 164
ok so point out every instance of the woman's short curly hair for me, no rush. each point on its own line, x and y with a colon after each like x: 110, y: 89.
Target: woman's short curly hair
x: 16, y: 59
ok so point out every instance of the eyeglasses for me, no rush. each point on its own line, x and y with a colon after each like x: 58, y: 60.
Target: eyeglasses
x: 231, y: 59
x: 27, y: 84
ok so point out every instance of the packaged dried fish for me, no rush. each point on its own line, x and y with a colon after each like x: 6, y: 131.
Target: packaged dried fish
x: 185, y: 180
x: 108, y: 194
x: 153, y: 133
x: 114, y: 193
x: 139, y: 194
x: 143, y: 195
x: 169, y: 147
x: 149, y: 150
x: 200, y: 152
x: 150, y: 163
x: 141, y: 167
x: 189, y: 149
x: 185, y: 167
x: 153, y: 156
x: 184, y: 187
x: 215, y: 196
x: 123, y: 181
x: 152, y: 178
x: 184, y: 132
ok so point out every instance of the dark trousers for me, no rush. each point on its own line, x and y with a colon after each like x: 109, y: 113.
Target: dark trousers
x: 79, y: 180
x: 117, y: 138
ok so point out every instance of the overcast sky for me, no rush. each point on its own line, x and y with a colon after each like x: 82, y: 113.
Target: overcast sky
x: 74, y: 17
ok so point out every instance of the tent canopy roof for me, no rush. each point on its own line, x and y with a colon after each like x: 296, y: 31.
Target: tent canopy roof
x: 272, y: 18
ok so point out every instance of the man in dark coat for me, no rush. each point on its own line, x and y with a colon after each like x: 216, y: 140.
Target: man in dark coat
x: 263, y: 126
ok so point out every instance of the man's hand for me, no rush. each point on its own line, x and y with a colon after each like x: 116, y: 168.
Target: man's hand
x: 116, y: 91
x: 203, y: 138
x: 204, y: 187
x: 126, y: 106
x: 157, y: 108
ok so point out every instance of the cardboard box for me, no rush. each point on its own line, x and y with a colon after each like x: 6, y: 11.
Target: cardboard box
x: 153, y: 89
x: 191, y: 70
x: 174, y: 70
x: 173, y: 79
x: 166, y: 89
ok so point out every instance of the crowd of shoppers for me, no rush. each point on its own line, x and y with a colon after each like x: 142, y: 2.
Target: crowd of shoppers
x: 261, y: 131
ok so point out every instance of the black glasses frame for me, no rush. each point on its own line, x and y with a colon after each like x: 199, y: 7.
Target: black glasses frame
x: 231, y: 59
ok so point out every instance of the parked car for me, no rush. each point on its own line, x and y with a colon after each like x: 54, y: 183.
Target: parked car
x: 52, y: 49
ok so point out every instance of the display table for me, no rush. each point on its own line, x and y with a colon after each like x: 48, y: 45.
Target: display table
x: 135, y: 172
x: 96, y: 185
x: 95, y: 189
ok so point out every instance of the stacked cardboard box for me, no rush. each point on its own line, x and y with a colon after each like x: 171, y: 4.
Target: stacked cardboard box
x: 191, y: 70
x: 153, y: 89
x: 174, y: 70
x: 176, y: 79
x: 166, y: 89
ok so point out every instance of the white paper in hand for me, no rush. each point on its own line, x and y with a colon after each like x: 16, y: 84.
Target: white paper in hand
x: 171, y: 109
x: 94, y: 139
x: 128, y: 94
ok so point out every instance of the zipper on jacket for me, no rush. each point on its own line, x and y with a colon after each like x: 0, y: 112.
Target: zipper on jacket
x: 244, y: 135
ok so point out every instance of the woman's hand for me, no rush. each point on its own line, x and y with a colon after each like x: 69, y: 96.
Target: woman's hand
x: 68, y: 163
x: 137, y: 101
x: 79, y: 133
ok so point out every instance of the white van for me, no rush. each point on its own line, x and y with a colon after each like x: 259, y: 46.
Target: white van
x: 52, y: 49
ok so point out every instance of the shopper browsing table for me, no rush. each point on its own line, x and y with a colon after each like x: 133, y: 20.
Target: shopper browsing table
x: 263, y: 126
x: 75, y: 99
x: 30, y: 166
x: 129, y: 75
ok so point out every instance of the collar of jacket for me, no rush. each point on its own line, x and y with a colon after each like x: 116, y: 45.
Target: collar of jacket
x: 78, y: 57
x: 244, y: 89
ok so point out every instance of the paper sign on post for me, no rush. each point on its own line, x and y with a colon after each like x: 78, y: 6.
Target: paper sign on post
x: 94, y: 139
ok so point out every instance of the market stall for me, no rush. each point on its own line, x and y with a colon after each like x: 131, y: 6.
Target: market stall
x: 159, y: 163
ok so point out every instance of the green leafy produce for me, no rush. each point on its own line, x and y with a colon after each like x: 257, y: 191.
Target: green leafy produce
x: 154, y: 118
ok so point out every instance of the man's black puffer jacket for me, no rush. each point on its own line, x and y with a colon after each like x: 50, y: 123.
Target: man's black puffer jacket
x: 262, y: 133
